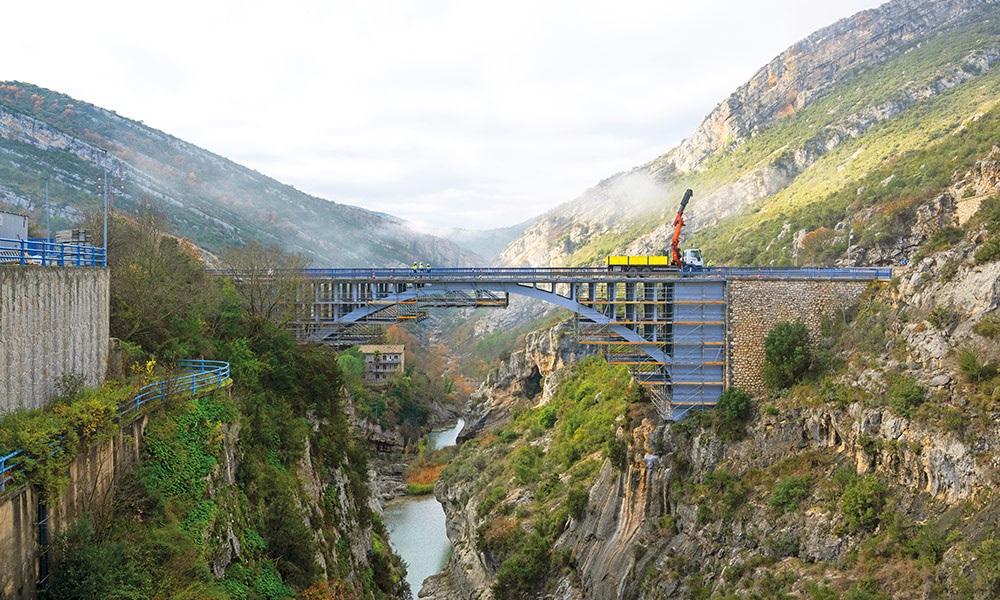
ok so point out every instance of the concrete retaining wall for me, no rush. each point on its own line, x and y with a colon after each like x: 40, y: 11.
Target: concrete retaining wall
x: 756, y: 306
x: 92, y: 475
x: 53, y: 322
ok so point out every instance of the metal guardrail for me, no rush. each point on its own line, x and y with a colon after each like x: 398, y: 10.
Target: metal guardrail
x: 48, y: 253
x: 525, y: 274
x: 200, y: 376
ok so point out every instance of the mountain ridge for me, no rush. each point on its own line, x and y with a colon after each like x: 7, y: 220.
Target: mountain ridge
x: 758, y: 141
x: 211, y: 200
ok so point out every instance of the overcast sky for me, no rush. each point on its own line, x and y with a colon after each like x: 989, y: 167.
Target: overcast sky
x: 465, y: 113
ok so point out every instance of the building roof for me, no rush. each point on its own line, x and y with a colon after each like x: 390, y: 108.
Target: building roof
x: 381, y: 348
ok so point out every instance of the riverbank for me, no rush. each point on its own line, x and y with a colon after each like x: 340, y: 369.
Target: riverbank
x: 416, y: 523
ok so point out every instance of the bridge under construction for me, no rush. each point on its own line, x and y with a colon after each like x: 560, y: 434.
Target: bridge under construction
x: 668, y: 326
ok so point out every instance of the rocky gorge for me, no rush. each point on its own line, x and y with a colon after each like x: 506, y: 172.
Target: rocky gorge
x: 841, y: 484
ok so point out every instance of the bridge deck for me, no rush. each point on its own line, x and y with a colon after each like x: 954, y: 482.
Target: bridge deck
x: 531, y: 275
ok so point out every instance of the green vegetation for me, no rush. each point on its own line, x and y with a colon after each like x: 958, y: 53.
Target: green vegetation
x: 176, y: 515
x: 534, y: 475
x: 50, y: 438
x: 989, y: 216
x: 862, y: 502
x: 160, y: 550
x: 788, y: 493
x: 905, y: 394
x: 786, y: 355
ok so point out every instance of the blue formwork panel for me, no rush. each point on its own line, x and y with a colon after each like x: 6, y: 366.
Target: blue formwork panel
x: 696, y: 364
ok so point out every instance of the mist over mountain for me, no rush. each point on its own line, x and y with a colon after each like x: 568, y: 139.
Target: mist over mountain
x: 46, y: 135
x: 847, y: 101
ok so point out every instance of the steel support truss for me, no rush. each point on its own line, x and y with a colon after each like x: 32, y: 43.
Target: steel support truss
x: 670, y: 332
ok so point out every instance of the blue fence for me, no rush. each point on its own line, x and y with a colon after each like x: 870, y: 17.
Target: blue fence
x: 200, y: 376
x: 45, y: 252
x: 591, y: 273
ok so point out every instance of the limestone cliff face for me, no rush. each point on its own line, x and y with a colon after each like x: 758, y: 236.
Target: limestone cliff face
x: 623, y: 550
x: 803, y: 72
x: 797, y: 78
x: 528, y: 377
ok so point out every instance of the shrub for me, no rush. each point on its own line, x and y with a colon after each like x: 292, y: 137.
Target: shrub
x: 866, y: 589
x: 862, y: 503
x: 616, y: 450
x: 523, y: 569
x: 733, y: 409
x: 989, y: 326
x: 492, y: 498
x: 789, y: 493
x: 547, y: 416
x: 786, y: 355
x: 905, y: 395
x: 942, y: 318
x: 973, y: 370
x: 987, y: 575
x: 576, y: 501
x: 943, y: 238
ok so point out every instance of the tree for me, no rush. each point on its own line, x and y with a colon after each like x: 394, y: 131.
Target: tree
x: 268, y: 278
x: 786, y: 355
x: 161, y: 297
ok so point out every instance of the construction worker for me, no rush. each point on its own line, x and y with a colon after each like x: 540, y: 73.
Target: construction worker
x: 414, y: 266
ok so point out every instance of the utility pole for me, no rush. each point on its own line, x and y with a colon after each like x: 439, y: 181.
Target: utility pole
x: 105, y: 238
x: 48, y: 227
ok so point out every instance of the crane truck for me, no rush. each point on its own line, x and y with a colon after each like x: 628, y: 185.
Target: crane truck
x: 691, y: 258
x: 686, y: 260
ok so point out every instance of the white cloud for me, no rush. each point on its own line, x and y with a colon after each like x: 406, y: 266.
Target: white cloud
x: 473, y: 113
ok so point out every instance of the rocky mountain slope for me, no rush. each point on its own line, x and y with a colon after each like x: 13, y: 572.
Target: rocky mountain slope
x: 209, y: 199
x: 832, y: 107
x: 873, y: 478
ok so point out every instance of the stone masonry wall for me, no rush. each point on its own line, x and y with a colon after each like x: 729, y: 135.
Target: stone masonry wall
x: 53, y: 322
x: 755, y: 306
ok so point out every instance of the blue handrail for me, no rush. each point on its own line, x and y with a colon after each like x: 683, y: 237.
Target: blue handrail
x: 591, y: 273
x: 47, y: 253
x: 199, y: 376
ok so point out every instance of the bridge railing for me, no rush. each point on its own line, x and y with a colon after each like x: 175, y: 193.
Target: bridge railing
x: 48, y: 253
x: 200, y: 376
x: 550, y: 273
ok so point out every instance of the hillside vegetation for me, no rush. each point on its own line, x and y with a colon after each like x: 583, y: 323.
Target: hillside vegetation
x: 263, y: 494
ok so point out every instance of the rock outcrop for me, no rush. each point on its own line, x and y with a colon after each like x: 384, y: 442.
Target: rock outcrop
x: 796, y: 79
x: 528, y: 377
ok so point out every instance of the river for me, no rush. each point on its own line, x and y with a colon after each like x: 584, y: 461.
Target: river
x: 416, y: 526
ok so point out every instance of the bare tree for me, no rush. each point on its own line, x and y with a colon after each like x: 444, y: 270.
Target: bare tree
x: 268, y: 278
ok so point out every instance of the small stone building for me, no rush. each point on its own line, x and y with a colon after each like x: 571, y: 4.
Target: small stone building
x: 382, y: 362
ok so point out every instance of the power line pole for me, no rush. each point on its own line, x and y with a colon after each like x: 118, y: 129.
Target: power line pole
x: 106, y: 201
x: 48, y: 226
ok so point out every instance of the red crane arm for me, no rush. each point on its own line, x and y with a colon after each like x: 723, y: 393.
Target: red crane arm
x: 675, y: 250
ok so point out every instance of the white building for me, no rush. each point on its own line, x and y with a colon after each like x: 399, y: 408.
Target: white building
x: 382, y: 362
